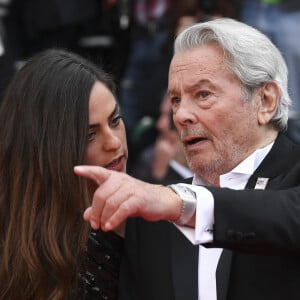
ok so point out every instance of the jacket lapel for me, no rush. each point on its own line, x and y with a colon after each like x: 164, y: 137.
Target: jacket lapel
x: 280, y: 159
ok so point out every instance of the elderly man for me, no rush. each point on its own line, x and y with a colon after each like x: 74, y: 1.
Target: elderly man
x: 228, y: 88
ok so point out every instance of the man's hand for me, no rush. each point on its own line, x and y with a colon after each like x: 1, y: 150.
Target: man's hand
x: 120, y: 196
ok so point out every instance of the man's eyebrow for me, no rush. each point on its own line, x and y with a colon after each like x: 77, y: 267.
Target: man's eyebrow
x: 192, y: 86
x: 171, y: 92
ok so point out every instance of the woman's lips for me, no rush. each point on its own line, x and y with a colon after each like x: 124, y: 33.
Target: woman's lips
x: 117, y: 164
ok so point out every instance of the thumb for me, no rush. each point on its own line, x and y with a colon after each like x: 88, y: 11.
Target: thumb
x: 95, y: 173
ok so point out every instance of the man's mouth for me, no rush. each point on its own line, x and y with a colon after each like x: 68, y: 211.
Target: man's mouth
x: 193, y: 140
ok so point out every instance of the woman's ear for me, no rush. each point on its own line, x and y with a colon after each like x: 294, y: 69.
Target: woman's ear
x: 269, y: 100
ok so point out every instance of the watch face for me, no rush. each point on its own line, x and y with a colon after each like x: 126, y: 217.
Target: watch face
x: 184, y: 189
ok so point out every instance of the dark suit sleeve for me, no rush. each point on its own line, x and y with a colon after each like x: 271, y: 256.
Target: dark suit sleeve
x: 257, y: 221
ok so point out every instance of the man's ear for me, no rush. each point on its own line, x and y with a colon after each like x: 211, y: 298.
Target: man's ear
x: 269, y: 100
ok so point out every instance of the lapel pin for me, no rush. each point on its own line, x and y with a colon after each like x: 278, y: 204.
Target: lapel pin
x: 261, y: 183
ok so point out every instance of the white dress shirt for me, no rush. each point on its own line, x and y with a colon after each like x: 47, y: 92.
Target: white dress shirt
x: 202, y: 233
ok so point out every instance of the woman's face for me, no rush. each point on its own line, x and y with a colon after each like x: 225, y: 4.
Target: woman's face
x: 107, y: 145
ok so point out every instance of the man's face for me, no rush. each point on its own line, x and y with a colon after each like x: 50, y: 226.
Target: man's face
x: 217, y: 127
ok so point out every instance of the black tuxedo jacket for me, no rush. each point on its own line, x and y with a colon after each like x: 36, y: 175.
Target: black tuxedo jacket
x: 260, y: 232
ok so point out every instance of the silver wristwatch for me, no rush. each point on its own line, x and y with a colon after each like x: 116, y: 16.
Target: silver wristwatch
x: 189, y: 200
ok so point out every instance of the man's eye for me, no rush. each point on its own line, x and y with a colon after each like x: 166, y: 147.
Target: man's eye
x: 91, y: 135
x: 175, y: 100
x: 204, y: 94
x: 116, y: 121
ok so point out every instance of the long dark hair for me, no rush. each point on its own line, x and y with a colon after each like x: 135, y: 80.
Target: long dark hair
x: 43, y: 134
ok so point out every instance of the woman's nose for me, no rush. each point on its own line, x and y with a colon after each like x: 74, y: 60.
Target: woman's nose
x: 112, y: 141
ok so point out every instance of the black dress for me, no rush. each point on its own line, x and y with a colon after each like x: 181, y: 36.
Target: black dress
x: 100, y: 280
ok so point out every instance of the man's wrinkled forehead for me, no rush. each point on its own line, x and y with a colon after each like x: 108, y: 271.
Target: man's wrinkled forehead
x: 202, y: 62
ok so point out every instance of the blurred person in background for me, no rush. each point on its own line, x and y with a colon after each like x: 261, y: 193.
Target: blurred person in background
x: 92, y: 28
x: 35, y: 25
x: 145, y: 76
x: 164, y: 161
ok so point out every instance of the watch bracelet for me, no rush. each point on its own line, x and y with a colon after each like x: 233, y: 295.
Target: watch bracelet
x: 188, y: 204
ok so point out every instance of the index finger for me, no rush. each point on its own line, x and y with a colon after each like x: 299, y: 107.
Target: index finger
x: 95, y: 173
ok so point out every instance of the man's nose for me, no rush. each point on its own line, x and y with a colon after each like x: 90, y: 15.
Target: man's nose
x: 185, y: 113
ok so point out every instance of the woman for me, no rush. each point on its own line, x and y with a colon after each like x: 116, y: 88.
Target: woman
x: 59, y: 111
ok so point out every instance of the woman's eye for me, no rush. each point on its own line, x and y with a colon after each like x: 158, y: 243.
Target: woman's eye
x: 91, y: 136
x: 116, y: 121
